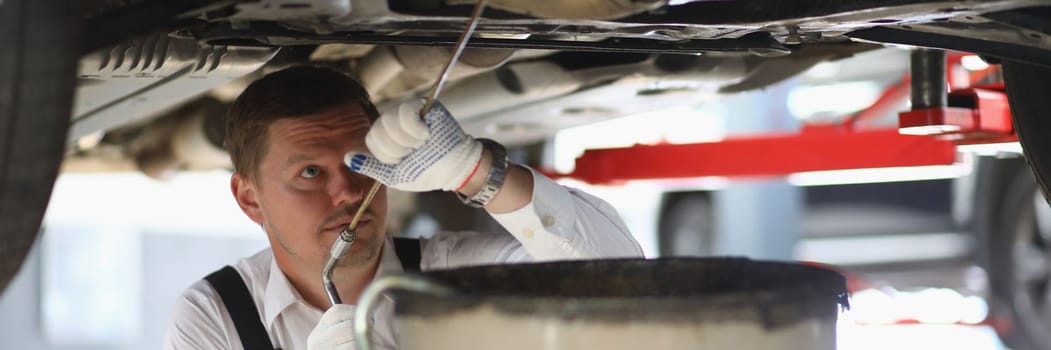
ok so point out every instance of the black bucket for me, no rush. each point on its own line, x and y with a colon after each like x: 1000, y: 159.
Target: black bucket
x: 695, y: 303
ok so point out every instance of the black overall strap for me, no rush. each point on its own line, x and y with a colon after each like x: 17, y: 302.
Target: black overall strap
x: 231, y: 288
x: 408, y: 251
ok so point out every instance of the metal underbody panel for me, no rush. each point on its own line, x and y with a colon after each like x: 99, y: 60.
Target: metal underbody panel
x: 683, y: 25
x: 136, y: 80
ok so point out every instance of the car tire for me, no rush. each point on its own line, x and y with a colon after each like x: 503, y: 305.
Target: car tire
x: 1018, y: 254
x: 1028, y: 86
x: 1016, y: 295
x: 37, y: 72
x: 685, y: 227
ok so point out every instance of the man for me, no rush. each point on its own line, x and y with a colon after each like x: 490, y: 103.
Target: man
x: 306, y: 145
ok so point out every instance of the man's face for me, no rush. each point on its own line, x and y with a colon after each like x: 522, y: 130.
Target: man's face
x: 304, y: 193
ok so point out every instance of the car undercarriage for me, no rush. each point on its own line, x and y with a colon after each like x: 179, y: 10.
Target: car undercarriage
x: 144, y: 84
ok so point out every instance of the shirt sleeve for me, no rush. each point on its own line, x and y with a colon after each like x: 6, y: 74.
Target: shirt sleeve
x: 559, y: 223
x: 563, y: 223
x: 197, y: 321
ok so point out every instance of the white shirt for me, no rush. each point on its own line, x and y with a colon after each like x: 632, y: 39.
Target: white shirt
x: 558, y: 224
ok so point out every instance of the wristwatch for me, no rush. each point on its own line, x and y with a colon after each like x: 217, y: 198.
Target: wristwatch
x: 494, y: 180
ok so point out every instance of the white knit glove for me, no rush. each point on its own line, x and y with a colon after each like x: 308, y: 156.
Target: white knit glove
x: 335, y: 330
x: 413, y: 155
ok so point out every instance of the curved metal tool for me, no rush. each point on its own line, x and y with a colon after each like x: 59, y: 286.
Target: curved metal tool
x: 347, y: 236
x: 373, y: 295
x: 461, y: 43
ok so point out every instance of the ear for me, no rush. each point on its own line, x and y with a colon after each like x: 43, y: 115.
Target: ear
x: 245, y: 193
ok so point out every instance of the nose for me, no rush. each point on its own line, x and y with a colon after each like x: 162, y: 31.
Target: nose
x: 348, y: 187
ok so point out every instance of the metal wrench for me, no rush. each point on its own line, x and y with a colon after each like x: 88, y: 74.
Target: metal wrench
x: 347, y: 236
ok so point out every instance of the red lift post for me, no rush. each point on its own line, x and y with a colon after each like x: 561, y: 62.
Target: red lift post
x: 973, y: 115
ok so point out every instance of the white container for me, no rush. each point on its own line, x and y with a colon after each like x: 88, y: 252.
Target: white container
x: 698, y: 303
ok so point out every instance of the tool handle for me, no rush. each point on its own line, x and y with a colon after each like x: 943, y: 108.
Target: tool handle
x: 339, y: 249
x: 461, y: 43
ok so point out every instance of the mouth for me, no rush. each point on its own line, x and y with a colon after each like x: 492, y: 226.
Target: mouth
x: 345, y: 222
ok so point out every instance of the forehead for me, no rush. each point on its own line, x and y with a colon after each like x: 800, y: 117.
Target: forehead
x: 340, y: 127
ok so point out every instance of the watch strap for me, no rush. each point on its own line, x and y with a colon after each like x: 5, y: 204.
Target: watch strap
x: 494, y: 180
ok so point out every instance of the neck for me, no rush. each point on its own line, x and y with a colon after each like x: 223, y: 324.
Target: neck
x: 350, y: 280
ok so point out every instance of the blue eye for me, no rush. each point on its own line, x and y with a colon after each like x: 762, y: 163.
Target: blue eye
x: 310, y: 172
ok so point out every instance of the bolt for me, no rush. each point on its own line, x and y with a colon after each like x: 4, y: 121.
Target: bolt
x: 793, y: 36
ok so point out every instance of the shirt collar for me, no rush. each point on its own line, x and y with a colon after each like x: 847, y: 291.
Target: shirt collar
x: 389, y: 262
x: 279, y: 294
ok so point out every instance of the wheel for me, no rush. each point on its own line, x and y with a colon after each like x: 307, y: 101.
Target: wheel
x: 1019, y: 251
x: 37, y: 71
x: 38, y: 68
x: 685, y: 227
x: 1020, y: 266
